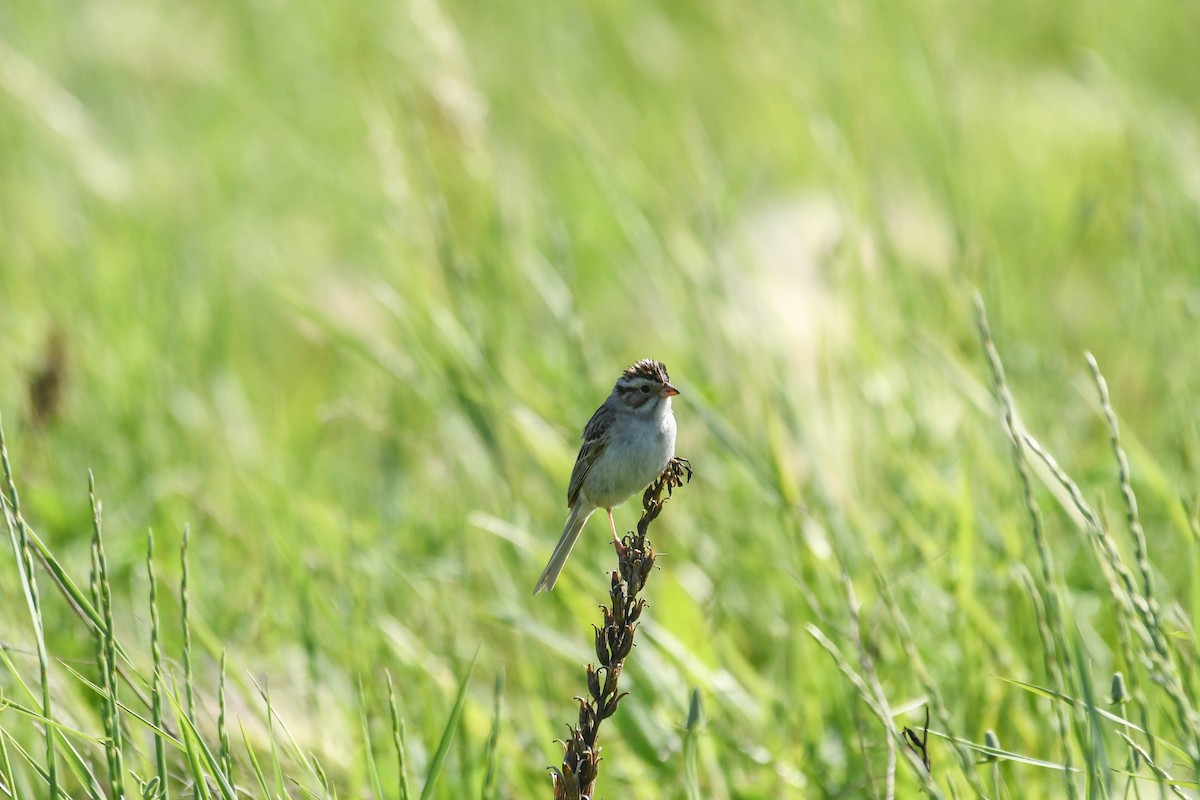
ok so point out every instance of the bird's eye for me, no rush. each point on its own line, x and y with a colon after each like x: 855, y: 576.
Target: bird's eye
x: 645, y: 389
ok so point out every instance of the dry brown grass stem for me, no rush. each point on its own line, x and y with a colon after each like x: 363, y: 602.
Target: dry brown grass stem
x: 576, y: 778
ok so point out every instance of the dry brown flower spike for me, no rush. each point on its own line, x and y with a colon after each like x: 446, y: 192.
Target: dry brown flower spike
x: 576, y: 778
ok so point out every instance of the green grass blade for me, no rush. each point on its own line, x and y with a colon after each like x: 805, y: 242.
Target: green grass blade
x: 34, y: 716
x: 278, y: 770
x: 33, y: 764
x: 200, y: 786
x: 329, y: 790
x: 1006, y: 755
x: 398, y: 739
x: 198, y: 753
x: 492, y: 754
x: 691, y: 746
x: 19, y: 536
x: 6, y: 773
x: 81, y: 768
x: 75, y: 763
x: 158, y: 731
x: 372, y: 772
x: 255, y: 767
x: 293, y: 746
x: 223, y: 754
x: 65, y: 583
x: 160, y: 747
x: 439, y: 757
x: 185, y: 611
x: 102, y: 592
x: 8, y: 703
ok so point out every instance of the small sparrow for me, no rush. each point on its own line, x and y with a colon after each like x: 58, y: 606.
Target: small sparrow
x: 626, y: 445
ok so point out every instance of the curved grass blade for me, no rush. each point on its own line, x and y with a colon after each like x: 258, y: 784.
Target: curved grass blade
x: 197, y: 750
x: 1050, y: 694
x: 160, y: 746
x: 1003, y: 755
x: 372, y: 772
x: 490, y: 777
x: 398, y: 740
x: 159, y: 731
x: 254, y: 765
x: 439, y: 758
x: 290, y: 743
x: 19, y: 535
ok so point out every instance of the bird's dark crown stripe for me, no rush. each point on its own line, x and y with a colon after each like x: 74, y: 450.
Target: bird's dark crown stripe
x: 648, y: 369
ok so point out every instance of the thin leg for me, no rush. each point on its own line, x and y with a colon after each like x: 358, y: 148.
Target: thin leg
x: 616, y: 539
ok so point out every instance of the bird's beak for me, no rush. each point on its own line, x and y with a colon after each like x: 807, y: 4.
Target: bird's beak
x: 667, y: 391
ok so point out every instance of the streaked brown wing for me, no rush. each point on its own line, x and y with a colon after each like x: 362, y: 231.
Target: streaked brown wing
x: 595, y: 441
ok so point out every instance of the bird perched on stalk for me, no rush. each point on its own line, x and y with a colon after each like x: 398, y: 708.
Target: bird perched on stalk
x: 626, y: 445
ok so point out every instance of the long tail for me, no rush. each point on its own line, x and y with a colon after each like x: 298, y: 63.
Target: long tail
x: 558, y: 558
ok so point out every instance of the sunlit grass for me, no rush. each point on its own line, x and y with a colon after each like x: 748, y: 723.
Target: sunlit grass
x: 338, y: 287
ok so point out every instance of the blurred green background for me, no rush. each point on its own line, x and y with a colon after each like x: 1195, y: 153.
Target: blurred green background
x: 339, y: 285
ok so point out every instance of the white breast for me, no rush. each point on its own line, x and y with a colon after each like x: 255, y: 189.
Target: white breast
x: 633, y: 459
